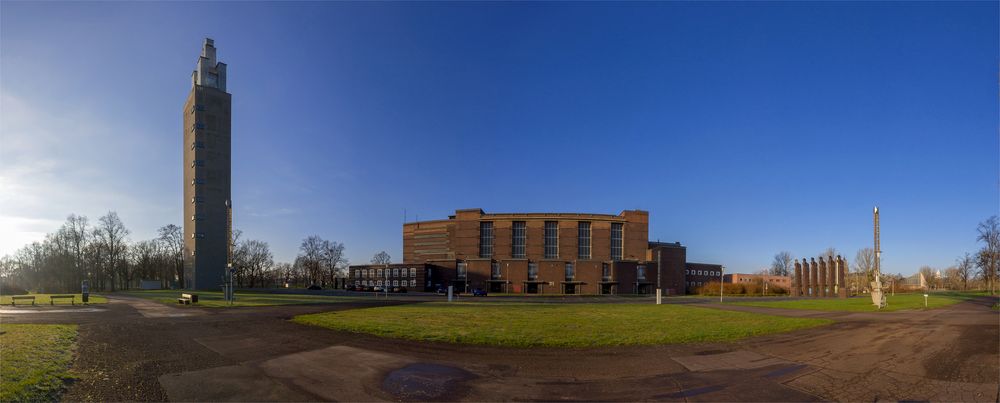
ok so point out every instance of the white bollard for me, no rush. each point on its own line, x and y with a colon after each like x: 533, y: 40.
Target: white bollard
x: 450, y: 288
x: 659, y: 296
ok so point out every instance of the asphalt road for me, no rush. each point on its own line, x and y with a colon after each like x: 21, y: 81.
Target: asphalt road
x: 134, y: 349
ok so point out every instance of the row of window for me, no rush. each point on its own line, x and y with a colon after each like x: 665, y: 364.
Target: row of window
x: 550, y: 238
x: 694, y: 283
x: 388, y: 283
x: 396, y: 272
x: 198, y: 107
x: 701, y: 272
x: 570, y: 271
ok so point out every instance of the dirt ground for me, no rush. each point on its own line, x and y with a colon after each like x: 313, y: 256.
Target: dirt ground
x: 134, y: 349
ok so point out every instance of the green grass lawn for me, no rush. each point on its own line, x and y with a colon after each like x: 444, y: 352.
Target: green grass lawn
x: 214, y: 299
x: 44, y: 299
x: 864, y: 304
x: 34, y: 361
x: 555, y: 325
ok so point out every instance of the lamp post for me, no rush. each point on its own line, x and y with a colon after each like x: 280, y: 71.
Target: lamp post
x: 721, y: 275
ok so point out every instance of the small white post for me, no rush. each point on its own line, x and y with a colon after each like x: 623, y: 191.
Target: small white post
x: 450, y: 288
x: 659, y: 296
x: 925, y: 300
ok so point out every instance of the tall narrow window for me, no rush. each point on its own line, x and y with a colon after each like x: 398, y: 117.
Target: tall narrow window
x: 606, y: 271
x: 616, y: 241
x: 495, y: 271
x: 640, y: 272
x: 583, y: 240
x: 460, y: 270
x: 486, y: 239
x: 532, y: 271
x: 551, y: 239
x: 570, y: 271
x: 517, y: 240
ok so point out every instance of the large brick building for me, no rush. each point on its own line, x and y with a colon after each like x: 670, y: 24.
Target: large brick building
x: 546, y: 253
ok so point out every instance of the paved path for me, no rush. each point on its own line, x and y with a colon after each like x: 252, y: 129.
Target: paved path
x: 133, y: 349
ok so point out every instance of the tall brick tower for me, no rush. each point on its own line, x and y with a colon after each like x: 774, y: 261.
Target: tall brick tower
x: 207, y: 173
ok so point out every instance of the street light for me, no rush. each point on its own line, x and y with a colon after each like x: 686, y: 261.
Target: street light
x: 721, y: 274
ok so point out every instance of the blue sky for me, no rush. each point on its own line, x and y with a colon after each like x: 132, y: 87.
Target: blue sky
x: 744, y: 128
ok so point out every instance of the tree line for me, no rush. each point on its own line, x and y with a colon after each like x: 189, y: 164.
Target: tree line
x: 978, y: 271
x: 103, y: 254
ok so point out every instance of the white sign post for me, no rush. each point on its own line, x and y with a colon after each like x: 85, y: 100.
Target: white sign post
x: 450, y: 289
x: 659, y: 296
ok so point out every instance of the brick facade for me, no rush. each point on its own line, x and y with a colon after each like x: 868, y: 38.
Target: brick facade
x: 441, y: 247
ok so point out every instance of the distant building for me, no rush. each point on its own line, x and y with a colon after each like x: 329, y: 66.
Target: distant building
x: 534, y: 253
x: 780, y: 281
x: 699, y: 274
x: 207, y: 171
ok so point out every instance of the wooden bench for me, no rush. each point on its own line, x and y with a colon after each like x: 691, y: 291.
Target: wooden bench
x: 52, y: 299
x: 188, y: 299
x: 13, y: 300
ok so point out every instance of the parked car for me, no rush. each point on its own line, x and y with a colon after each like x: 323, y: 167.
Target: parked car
x: 399, y: 289
x: 369, y: 288
x: 378, y: 288
x: 479, y: 292
x: 442, y: 290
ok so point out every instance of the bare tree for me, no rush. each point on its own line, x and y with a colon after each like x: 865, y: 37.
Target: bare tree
x: 930, y: 276
x: 77, y: 231
x: 381, y: 258
x: 989, y: 256
x: 333, y: 260
x: 310, y: 255
x: 831, y: 251
x: 112, y: 234
x: 864, y: 262
x: 257, y: 259
x: 171, y: 237
x: 964, y: 266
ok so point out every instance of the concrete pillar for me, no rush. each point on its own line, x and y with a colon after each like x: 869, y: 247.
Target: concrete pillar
x: 842, y: 276
x: 796, y: 286
x: 822, y: 278
x: 813, y: 273
x: 831, y: 280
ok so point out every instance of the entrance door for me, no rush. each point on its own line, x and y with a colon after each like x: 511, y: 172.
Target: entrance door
x: 606, y: 289
x: 496, y: 287
x: 531, y: 288
x: 569, y: 288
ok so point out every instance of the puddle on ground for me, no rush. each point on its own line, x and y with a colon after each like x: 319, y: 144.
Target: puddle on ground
x: 427, y: 382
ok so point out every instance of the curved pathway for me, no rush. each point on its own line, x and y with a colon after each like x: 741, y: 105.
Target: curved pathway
x: 134, y: 349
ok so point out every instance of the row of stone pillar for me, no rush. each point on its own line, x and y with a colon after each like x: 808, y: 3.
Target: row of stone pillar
x: 826, y: 278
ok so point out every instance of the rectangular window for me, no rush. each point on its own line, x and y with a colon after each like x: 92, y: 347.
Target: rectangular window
x: 532, y: 271
x: 583, y: 240
x: 395, y: 272
x: 518, y: 236
x: 495, y: 270
x: 486, y: 239
x: 197, y: 199
x: 413, y: 272
x: 640, y: 272
x: 197, y: 163
x: 570, y: 272
x: 380, y: 272
x: 460, y: 269
x: 616, y: 241
x: 395, y: 283
x: 198, y: 107
x: 606, y: 271
x: 551, y: 240
x: 198, y: 235
x: 413, y: 283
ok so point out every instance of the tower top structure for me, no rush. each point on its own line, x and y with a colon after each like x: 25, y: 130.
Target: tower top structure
x: 209, y: 72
